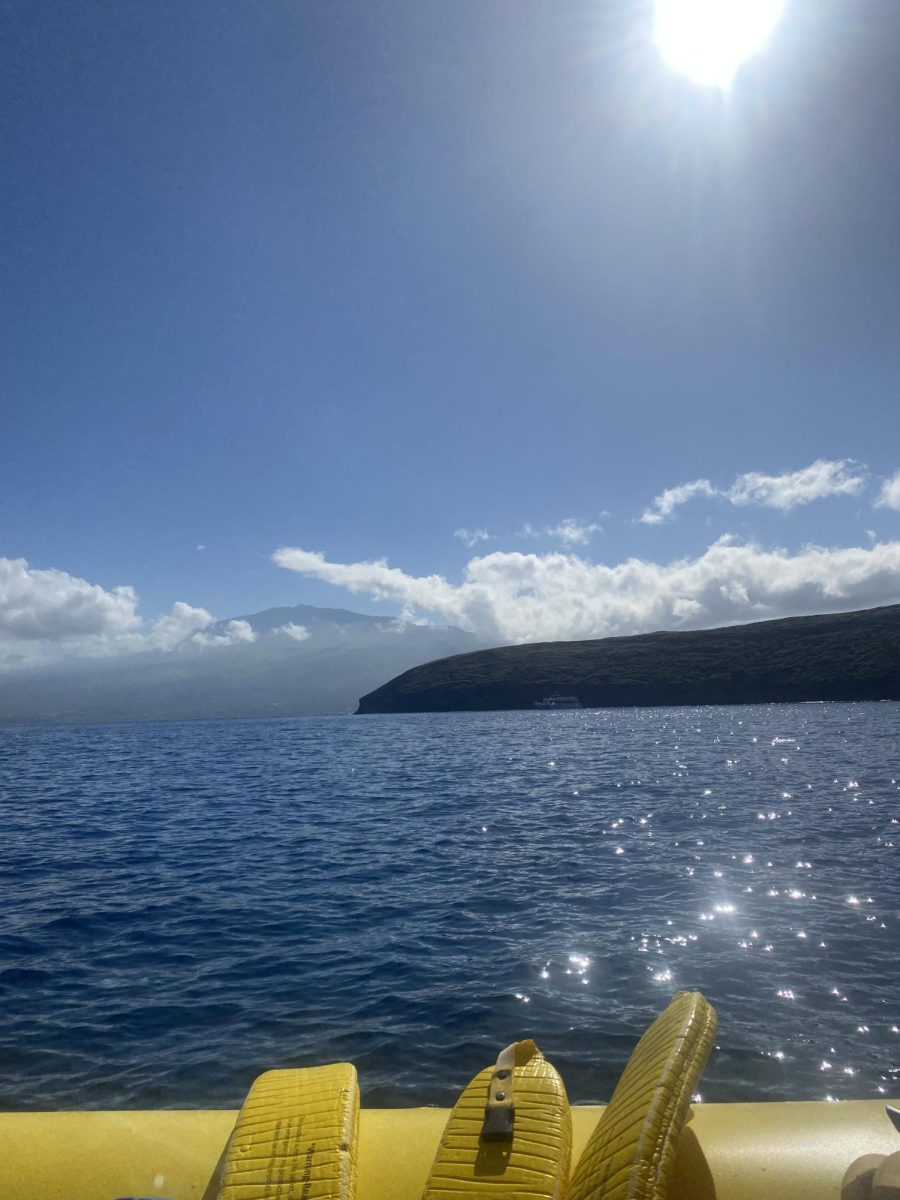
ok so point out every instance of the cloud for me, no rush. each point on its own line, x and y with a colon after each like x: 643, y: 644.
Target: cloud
x: 47, y: 614
x: 471, y: 537
x: 178, y: 625
x: 514, y: 597
x: 666, y: 503
x: 570, y: 530
x: 53, y: 605
x: 233, y: 634
x: 573, y: 532
x: 51, y: 608
x: 889, y: 496
x: 299, y: 633
x: 823, y: 478
x: 788, y: 490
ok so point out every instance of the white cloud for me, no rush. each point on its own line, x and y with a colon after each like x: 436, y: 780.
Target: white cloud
x: 666, y: 503
x: 233, y: 634
x: 37, y: 605
x: 889, y: 496
x: 514, y: 597
x: 572, y: 532
x: 47, y: 614
x: 240, y: 631
x: 299, y: 633
x: 181, y: 623
x: 824, y: 477
x: 792, y: 488
x: 406, y: 621
x: 471, y: 537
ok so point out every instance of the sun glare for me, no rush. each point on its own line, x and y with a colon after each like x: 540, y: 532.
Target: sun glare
x: 708, y: 40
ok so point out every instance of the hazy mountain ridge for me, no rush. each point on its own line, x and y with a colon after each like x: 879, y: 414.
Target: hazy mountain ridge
x: 272, y: 619
x: 343, y: 655
x: 839, y: 656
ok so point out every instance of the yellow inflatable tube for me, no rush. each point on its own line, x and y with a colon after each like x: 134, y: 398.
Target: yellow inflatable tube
x: 778, y: 1151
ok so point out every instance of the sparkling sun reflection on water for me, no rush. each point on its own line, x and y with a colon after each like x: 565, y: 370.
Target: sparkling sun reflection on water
x: 197, y: 902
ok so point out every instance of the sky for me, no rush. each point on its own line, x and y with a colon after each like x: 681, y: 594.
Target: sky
x: 472, y: 311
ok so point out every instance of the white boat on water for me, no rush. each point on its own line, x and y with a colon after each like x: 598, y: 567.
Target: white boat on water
x: 557, y: 701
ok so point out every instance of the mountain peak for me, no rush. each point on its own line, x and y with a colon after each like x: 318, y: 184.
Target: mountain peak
x: 309, y: 615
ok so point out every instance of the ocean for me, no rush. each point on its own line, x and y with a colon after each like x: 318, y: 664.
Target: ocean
x: 188, y: 904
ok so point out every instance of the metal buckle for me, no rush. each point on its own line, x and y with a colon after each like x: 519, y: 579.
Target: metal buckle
x: 500, y: 1110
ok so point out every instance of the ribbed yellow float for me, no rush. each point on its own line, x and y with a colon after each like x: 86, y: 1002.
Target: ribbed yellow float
x: 512, y: 1136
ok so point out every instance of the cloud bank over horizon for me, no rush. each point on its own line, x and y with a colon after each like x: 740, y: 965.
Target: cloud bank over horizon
x: 516, y: 597
x: 47, y: 615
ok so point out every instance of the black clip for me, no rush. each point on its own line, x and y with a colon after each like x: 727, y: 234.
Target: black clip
x: 499, y: 1120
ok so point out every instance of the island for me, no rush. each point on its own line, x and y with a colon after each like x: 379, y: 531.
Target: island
x: 838, y: 656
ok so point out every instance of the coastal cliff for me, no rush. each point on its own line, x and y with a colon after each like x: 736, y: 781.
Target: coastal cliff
x: 839, y: 656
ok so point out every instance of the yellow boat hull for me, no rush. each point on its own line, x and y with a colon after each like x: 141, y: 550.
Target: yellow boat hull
x: 780, y: 1151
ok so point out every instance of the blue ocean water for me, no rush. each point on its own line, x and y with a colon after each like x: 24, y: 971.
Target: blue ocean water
x: 187, y: 904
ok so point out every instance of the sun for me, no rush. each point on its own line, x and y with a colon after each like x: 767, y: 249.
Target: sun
x: 708, y: 40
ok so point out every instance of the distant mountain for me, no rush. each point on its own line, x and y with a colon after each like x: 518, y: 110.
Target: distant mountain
x: 842, y: 656
x: 307, y: 615
x: 325, y: 660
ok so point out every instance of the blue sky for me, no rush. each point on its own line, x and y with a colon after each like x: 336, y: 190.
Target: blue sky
x: 349, y: 277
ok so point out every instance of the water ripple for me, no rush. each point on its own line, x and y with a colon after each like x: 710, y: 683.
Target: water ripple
x: 190, y: 903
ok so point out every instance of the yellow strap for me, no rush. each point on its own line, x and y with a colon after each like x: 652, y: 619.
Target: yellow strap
x: 295, y: 1137
x: 631, y: 1152
x: 533, y: 1162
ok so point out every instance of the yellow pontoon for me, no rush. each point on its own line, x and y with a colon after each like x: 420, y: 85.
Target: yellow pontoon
x: 512, y: 1136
